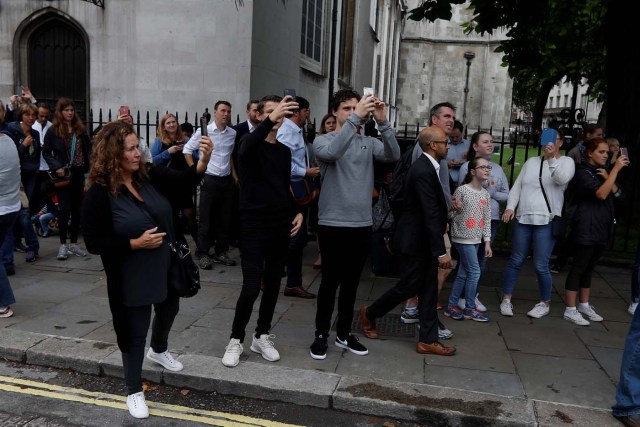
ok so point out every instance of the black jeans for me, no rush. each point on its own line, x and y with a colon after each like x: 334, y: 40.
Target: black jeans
x: 418, y: 276
x: 263, y: 251
x: 344, y: 252
x: 69, y: 204
x: 216, y: 205
x: 585, y: 258
x: 138, y: 319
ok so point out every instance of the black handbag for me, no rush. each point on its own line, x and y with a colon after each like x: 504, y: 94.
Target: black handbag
x: 558, y: 223
x: 60, y: 181
x: 183, y: 278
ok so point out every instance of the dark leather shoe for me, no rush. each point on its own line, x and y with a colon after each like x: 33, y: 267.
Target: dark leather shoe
x: 368, y: 328
x: 223, y: 259
x: 435, y: 348
x: 630, y: 420
x: 299, y: 292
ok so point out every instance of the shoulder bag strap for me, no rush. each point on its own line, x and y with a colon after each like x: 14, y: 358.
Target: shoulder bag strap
x: 542, y: 186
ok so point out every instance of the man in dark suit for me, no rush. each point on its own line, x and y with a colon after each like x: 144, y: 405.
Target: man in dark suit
x: 420, y: 246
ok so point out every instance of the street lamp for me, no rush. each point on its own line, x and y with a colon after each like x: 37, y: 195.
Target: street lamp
x: 469, y: 57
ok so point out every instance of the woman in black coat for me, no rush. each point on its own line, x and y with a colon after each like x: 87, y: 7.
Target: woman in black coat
x: 592, y: 190
x: 66, y: 149
x: 127, y: 218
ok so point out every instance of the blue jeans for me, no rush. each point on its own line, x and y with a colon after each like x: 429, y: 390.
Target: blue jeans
x: 468, y: 275
x: 635, y: 279
x: 6, y: 293
x: 628, y: 391
x: 523, y: 236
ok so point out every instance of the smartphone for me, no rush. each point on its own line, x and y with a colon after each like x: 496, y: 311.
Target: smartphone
x: 290, y: 92
x: 624, y: 152
x: 203, y: 126
x: 548, y: 136
x: 367, y: 91
x: 19, y: 90
x: 123, y: 110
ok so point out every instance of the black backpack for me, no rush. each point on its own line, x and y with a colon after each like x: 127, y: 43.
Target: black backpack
x: 396, y: 187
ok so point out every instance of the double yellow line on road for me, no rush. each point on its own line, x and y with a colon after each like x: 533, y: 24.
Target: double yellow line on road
x: 34, y: 388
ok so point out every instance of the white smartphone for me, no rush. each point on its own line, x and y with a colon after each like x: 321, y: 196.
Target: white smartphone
x: 367, y: 91
x: 624, y: 152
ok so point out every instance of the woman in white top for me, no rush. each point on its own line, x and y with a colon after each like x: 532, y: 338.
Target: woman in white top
x: 533, y: 221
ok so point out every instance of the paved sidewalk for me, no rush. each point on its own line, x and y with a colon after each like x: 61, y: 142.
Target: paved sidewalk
x: 510, y: 371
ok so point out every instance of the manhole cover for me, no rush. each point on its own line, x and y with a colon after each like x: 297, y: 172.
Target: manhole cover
x: 388, y: 325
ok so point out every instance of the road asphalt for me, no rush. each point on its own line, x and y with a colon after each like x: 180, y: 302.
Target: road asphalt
x: 510, y: 371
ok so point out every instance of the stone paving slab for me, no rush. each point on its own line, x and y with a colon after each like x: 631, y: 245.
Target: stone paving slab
x: 14, y: 344
x: 79, y: 355
x: 558, y: 415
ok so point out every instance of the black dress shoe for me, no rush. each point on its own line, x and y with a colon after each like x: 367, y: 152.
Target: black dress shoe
x: 223, y: 259
x: 298, y: 291
x: 630, y: 420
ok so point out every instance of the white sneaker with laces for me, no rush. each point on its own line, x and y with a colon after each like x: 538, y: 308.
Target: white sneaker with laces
x: 479, y: 306
x: 506, y: 308
x: 76, y: 250
x: 573, y: 315
x: 632, y: 308
x: 63, y: 253
x: 591, y: 314
x: 165, y: 359
x: 539, y: 310
x: 137, y: 405
x: 264, y: 346
x: 232, y: 354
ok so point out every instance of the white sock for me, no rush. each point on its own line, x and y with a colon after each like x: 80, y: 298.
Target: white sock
x: 584, y: 305
x: 411, y: 310
x: 570, y: 309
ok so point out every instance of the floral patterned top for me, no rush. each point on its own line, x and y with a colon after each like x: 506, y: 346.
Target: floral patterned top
x: 472, y: 223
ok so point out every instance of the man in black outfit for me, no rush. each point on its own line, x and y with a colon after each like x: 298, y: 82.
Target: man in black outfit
x: 269, y: 218
x: 419, y: 243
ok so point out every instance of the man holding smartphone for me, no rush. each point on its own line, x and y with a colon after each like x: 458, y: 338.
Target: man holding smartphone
x: 290, y: 134
x: 218, y: 188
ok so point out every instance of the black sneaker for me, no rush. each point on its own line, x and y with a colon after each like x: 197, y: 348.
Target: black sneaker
x: 555, y: 268
x: 204, y: 262
x: 318, y: 349
x: 223, y: 259
x: 20, y: 247
x: 353, y: 345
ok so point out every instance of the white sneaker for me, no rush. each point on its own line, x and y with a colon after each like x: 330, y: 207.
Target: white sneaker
x: 137, y: 406
x: 479, y: 306
x: 632, y: 308
x: 539, y: 310
x: 573, y: 315
x: 232, y: 354
x: 76, y: 250
x: 63, y: 252
x: 165, y: 359
x: 506, y: 308
x: 444, y: 334
x: 590, y: 313
x: 264, y: 346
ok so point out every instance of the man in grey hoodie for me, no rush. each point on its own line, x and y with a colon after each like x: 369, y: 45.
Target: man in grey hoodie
x: 344, y: 213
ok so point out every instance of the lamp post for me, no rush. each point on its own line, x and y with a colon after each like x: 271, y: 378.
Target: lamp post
x: 469, y: 57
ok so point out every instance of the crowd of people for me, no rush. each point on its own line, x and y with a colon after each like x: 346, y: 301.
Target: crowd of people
x: 130, y: 200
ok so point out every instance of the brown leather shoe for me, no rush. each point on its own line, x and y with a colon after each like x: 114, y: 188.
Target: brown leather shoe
x: 368, y: 328
x: 435, y: 348
x: 299, y: 292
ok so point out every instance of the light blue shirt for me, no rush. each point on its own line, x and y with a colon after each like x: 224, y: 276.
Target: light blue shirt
x: 290, y: 134
x: 223, y: 141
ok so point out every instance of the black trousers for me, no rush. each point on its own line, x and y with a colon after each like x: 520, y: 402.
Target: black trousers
x: 216, y: 206
x: 344, y: 252
x: 138, y: 319
x: 585, y: 258
x: 263, y: 252
x: 69, y: 206
x: 418, y: 276
x: 296, y: 249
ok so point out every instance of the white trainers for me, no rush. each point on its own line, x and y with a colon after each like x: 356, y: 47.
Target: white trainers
x: 76, y: 250
x: 264, y: 346
x: 232, y: 354
x: 539, y: 310
x: 137, y: 406
x: 632, y: 308
x: 165, y: 359
x: 573, y: 315
x: 506, y: 308
x: 63, y: 253
x: 590, y: 313
x: 479, y: 306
